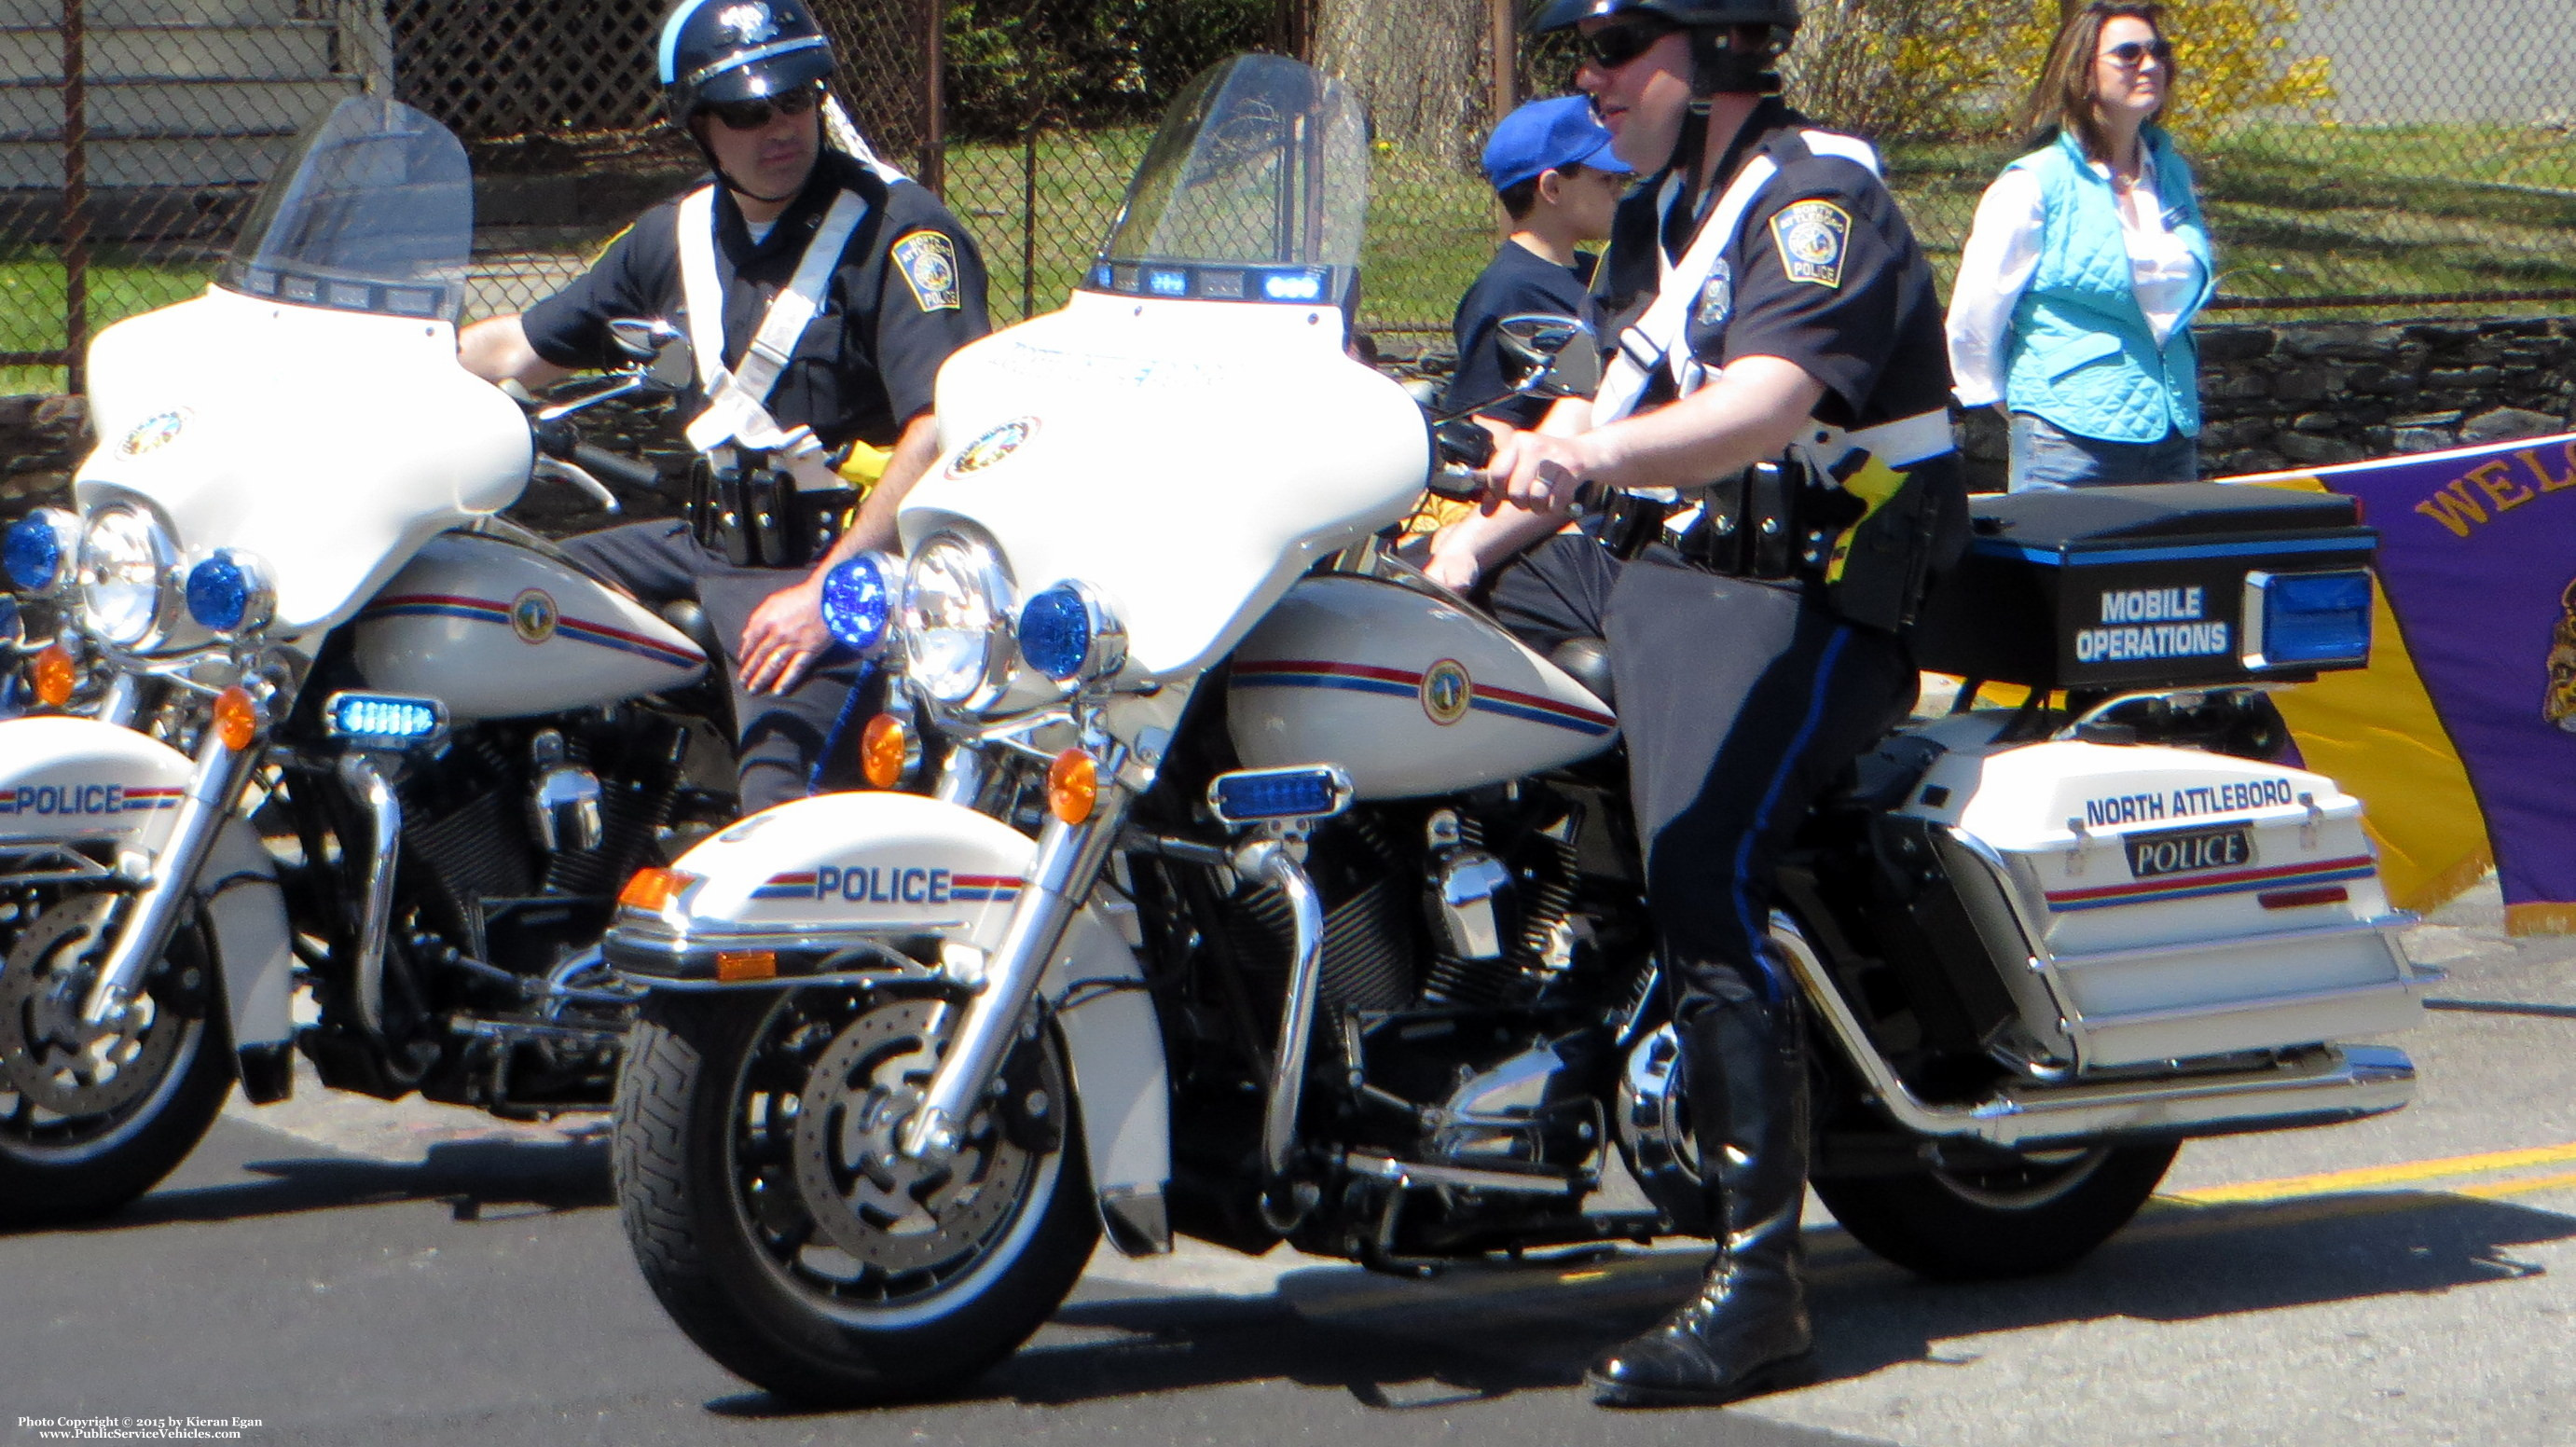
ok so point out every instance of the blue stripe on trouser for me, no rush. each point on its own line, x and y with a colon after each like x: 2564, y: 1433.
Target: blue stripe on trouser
x: 1754, y: 934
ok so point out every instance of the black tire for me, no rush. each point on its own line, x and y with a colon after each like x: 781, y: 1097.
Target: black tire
x: 61, y: 1168
x: 682, y: 1118
x: 1954, y: 1225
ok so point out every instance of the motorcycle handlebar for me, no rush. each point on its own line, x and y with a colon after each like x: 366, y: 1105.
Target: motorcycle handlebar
x: 624, y: 471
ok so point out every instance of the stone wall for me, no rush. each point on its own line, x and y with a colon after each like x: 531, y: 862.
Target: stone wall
x: 2307, y: 394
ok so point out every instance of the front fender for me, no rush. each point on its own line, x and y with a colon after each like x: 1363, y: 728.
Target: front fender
x: 67, y: 782
x: 807, y: 882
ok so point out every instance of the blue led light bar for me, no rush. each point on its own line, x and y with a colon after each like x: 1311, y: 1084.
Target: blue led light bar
x: 1253, y: 796
x: 384, y: 720
x: 2307, y: 620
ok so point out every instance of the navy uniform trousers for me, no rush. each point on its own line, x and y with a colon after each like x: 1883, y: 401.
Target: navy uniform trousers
x: 1741, y: 702
x: 780, y: 738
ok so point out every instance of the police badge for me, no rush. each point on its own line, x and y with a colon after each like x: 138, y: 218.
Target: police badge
x: 1810, y: 235
x: 1716, y: 296
x: 929, y: 266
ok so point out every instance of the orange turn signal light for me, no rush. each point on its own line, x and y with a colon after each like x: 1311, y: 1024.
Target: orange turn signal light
x: 885, y: 746
x: 653, y: 889
x: 737, y: 965
x: 55, y: 673
x: 237, y: 718
x: 1073, y: 786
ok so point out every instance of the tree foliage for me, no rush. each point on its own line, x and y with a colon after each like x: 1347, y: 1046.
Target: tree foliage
x: 1016, y: 64
x: 1963, y: 69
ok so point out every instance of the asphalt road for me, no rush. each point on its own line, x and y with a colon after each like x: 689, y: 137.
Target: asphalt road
x: 349, y: 1273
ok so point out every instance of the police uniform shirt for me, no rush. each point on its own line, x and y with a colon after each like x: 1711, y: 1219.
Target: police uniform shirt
x: 1517, y: 282
x: 1823, y: 272
x: 909, y: 292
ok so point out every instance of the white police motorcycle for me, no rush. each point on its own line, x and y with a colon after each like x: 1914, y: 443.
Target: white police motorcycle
x: 1232, y: 879
x: 307, y: 706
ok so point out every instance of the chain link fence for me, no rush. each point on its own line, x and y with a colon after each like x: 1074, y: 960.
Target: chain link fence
x: 2433, y: 162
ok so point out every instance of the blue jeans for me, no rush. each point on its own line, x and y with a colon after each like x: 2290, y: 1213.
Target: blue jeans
x: 2045, y: 455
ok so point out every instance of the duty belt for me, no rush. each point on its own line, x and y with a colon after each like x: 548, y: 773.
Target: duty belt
x: 754, y: 512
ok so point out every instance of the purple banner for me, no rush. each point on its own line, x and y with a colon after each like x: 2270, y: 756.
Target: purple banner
x: 2478, y: 560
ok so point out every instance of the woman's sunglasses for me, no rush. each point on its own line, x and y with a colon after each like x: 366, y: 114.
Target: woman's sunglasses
x: 1621, y: 41
x: 751, y: 115
x: 2133, y: 53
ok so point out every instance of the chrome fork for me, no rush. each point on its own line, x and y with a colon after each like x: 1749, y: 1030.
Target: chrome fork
x: 212, y: 789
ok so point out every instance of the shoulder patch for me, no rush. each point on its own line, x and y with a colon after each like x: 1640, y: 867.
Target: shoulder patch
x: 1811, y: 236
x: 929, y: 265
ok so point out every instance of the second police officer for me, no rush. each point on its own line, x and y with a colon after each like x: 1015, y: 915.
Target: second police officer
x: 821, y: 291
x: 1768, y: 306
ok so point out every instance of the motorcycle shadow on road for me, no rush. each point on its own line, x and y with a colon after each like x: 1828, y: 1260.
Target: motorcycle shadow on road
x: 478, y: 1179
x: 1482, y: 1331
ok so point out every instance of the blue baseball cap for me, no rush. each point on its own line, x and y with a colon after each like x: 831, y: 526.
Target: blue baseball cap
x: 1549, y: 135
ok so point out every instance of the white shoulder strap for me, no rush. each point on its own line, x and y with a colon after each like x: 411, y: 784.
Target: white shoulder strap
x: 737, y: 403
x: 1655, y: 340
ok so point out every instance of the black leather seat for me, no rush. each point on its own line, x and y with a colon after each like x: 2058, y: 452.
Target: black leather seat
x: 1588, y: 659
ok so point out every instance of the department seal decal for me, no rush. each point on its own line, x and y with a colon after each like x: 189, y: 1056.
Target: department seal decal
x: 929, y: 264
x: 1446, y: 691
x: 1811, y: 236
x: 532, y: 616
x: 993, y: 446
x: 748, y: 24
x: 1716, y: 296
x: 154, y: 433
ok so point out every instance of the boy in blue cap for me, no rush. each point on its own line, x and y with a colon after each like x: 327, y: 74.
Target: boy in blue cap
x: 1551, y: 166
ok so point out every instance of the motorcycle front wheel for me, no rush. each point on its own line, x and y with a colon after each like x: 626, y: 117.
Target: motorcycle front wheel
x: 775, y: 1223
x: 2039, y: 1214
x: 92, y: 1118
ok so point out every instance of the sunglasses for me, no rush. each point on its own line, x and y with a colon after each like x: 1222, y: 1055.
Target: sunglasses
x: 751, y: 115
x: 1621, y: 41
x: 2133, y: 53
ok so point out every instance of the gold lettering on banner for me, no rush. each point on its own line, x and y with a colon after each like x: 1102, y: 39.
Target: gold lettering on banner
x: 2531, y: 458
x: 2495, y: 479
x: 2452, y: 507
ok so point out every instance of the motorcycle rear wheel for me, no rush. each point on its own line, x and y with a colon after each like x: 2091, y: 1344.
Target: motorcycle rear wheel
x: 91, y: 1120
x: 922, y: 1282
x: 2042, y: 1215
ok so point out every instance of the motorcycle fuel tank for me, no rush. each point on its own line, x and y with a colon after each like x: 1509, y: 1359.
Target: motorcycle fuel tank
x: 1409, y: 694
x: 496, y: 630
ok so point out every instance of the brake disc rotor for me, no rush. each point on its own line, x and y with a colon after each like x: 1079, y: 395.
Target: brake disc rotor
x: 891, y: 1213
x: 46, y: 1053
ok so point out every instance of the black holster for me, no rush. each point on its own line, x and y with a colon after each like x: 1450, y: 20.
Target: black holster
x: 753, y: 513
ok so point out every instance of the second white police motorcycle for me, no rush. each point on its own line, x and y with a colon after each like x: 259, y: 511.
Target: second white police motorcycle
x: 1264, y: 891
x: 307, y: 709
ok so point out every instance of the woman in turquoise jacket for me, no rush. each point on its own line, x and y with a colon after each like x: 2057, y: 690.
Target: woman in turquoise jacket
x: 2087, y: 262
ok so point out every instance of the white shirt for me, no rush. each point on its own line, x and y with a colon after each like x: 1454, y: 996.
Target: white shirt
x: 2003, y: 251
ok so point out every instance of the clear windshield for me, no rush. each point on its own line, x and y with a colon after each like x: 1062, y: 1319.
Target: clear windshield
x: 374, y: 212
x: 1254, y: 190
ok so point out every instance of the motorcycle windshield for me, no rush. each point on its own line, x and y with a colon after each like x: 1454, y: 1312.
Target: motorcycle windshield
x: 374, y: 212
x: 1255, y: 190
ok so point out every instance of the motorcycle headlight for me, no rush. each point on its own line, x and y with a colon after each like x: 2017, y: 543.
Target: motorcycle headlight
x: 129, y: 578
x: 40, y: 549
x: 957, y: 621
x: 229, y: 593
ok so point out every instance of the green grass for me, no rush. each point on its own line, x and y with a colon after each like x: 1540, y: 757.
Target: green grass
x: 121, y: 283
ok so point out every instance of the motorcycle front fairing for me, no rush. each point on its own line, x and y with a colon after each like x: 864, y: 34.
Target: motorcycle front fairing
x: 309, y: 408
x: 1188, y: 435
x: 79, y: 797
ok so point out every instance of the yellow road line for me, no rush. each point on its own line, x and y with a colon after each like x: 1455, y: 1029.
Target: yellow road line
x: 2488, y: 1190
x: 2330, y: 1181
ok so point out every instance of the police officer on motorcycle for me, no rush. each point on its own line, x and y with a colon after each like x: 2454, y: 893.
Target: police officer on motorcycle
x: 821, y: 290
x: 1778, y: 370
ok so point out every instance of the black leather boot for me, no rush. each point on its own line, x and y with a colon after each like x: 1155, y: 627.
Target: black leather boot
x: 1746, y: 1332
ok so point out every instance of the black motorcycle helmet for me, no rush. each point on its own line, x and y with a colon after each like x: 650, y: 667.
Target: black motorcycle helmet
x: 715, y: 52
x: 1717, y: 68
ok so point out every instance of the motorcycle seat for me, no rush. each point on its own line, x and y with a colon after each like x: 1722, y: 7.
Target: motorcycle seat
x: 1588, y: 659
